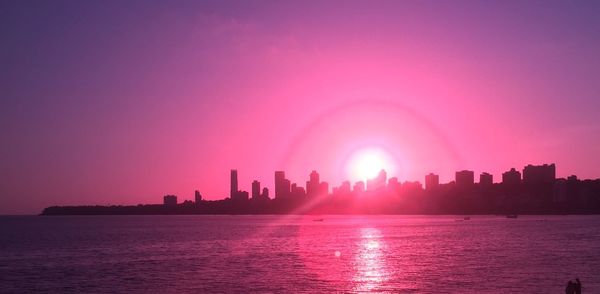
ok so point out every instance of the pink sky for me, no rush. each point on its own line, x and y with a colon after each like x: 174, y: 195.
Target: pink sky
x: 123, y: 103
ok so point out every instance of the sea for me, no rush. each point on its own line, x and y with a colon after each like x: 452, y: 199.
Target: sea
x: 298, y: 254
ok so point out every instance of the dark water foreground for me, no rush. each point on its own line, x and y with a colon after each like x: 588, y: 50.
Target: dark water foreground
x: 431, y: 254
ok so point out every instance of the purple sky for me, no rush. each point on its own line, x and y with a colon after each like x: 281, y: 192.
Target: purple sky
x: 122, y: 102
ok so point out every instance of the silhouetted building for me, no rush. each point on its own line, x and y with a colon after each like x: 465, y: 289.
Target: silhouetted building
x: 511, y: 179
x: 465, y: 178
x: 240, y: 196
x: 312, y: 185
x: 170, y: 200
x: 393, y: 184
x: 539, y: 174
x: 297, y: 191
x: 573, y: 189
x: 345, y: 188
x: 359, y: 187
x: 411, y: 187
x: 233, y: 187
x: 197, y: 196
x: 265, y: 193
x: 486, y: 180
x: 255, y: 189
x: 559, y: 191
x: 378, y: 182
x: 323, y: 188
x: 432, y: 181
x: 287, y: 187
x: 282, y: 185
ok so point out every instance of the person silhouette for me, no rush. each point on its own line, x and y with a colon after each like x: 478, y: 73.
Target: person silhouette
x: 570, y: 288
x: 577, y: 286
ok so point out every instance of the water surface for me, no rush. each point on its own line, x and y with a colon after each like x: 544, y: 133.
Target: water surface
x: 419, y: 254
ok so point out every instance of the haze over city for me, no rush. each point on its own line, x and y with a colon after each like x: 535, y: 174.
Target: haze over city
x: 124, y: 102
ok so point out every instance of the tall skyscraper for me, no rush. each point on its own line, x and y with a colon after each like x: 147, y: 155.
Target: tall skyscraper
x: 255, y: 189
x: 312, y: 185
x: 286, y: 188
x: 234, y: 184
x: 432, y: 181
x: 282, y: 186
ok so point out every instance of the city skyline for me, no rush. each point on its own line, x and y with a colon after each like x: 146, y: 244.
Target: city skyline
x: 534, y: 190
x: 284, y: 187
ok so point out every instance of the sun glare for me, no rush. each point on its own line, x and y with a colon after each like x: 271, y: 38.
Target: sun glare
x: 367, y: 163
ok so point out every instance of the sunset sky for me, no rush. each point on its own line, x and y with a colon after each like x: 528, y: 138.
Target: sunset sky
x: 122, y: 102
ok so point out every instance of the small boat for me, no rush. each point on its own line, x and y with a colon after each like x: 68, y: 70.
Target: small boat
x: 318, y: 220
x: 512, y: 216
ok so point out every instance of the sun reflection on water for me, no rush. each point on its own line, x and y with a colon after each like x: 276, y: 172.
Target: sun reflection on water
x: 369, y: 261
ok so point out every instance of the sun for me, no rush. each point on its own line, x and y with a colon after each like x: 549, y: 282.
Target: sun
x: 366, y: 163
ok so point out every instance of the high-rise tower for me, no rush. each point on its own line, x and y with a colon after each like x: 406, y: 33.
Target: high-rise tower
x: 234, y: 184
